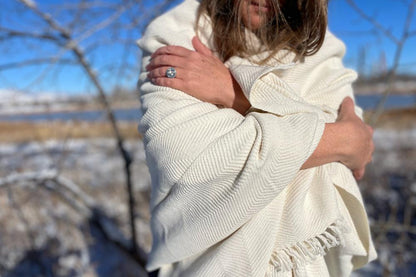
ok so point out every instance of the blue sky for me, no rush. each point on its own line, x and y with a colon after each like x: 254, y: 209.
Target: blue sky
x: 358, y: 34
x: 116, y: 64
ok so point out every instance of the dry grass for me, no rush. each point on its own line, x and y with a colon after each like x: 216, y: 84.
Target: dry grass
x: 397, y: 119
x: 28, y: 131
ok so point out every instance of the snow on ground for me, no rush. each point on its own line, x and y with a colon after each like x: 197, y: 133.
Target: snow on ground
x: 40, y: 233
x: 95, y: 165
x: 16, y: 102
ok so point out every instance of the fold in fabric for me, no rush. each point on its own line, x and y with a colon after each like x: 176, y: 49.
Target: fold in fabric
x: 228, y: 196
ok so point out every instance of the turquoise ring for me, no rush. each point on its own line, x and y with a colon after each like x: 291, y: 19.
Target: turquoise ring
x: 171, y: 72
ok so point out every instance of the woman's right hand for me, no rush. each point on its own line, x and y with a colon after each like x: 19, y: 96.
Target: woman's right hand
x: 349, y: 141
x: 199, y: 73
x: 358, y: 146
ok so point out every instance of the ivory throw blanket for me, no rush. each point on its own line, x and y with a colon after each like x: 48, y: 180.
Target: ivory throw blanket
x: 228, y: 195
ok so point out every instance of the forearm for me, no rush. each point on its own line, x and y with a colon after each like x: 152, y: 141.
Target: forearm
x: 239, y: 102
x: 208, y: 160
x: 349, y: 141
x: 329, y: 148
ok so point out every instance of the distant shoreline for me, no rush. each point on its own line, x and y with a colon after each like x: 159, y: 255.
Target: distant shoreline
x: 70, y: 108
x: 24, y: 131
x: 131, y: 110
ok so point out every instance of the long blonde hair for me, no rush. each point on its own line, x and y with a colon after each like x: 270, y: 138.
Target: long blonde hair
x: 297, y: 25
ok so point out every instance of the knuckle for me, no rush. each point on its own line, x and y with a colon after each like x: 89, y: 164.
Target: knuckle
x: 160, y: 71
x: 174, y: 49
x: 163, y: 59
x: 169, y: 49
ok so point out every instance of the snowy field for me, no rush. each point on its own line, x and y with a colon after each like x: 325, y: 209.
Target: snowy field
x: 41, y: 233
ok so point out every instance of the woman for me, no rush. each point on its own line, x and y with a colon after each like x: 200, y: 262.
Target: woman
x: 251, y: 163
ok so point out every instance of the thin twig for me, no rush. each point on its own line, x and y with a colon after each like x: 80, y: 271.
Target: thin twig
x: 102, y: 24
x: 21, y: 216
x: 374, y: 22
x: 76, y: 50
x: 9, y: 33
x: 78, y: 200
x: 396, y: 62
x: 391, y: 76
x: 38, y: 61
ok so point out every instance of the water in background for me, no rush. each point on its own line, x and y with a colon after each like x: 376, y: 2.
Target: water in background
x: 92, y: 116
x: 133, y: 115
x: 368, y: 102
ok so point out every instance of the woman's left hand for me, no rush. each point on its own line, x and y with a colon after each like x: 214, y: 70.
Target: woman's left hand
x: 198, y: 73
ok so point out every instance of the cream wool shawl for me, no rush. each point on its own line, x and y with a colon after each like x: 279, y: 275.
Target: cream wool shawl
x: 228, y: 196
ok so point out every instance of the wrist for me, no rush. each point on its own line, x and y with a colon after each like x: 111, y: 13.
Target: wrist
x: 232, y: 96
x: 232, y: 90
x: 336, y: 140
x: 240, y: 102
x: 330, y: 148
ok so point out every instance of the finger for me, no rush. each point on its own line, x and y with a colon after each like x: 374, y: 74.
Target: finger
x: 160, y: 72
x: 347, y: 106
x: 168, y: 82
x: 200, y: 47
x: 165, y: 60
x: 172, y: 50
x: 359, y: 173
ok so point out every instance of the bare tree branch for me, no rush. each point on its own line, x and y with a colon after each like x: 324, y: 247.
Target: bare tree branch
x: 77, y: 199
x: 396, y: 62
x: 81, y: 203
x: 76, y: 50
x: 21, y: 216
x: 102, y: 24
x: 50, y: 60
x: 42, y: 75
x: 374, y: 22
x: 68, y: 36
x: 85, y: 5
x: 46, y: 17
x: 9, y: 33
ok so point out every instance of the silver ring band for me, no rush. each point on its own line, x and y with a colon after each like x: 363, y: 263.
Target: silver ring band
x: 171, y: 72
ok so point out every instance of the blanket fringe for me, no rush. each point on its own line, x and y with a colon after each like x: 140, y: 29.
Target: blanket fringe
x: 307, y: 251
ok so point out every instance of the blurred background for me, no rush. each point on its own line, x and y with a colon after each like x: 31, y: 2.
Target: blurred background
x: 74, y: 187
